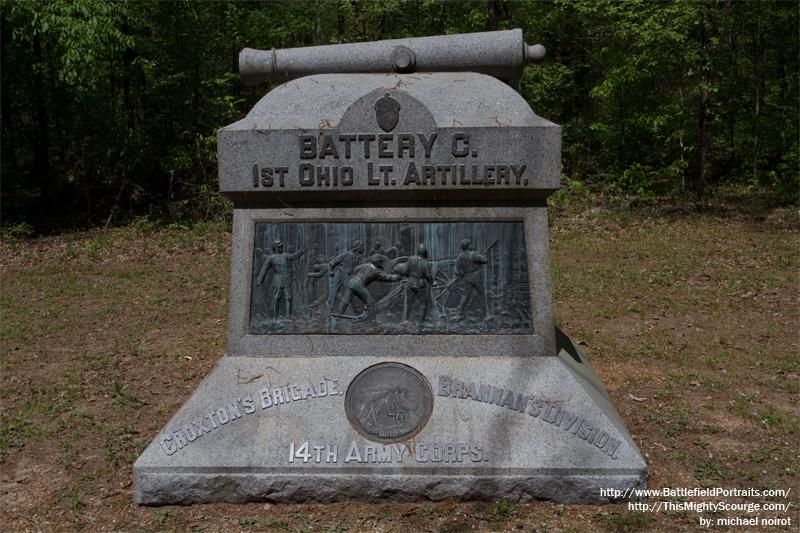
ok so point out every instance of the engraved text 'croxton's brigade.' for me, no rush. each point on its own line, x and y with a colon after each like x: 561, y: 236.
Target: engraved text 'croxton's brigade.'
x: 265, y: 398
x: 402, y: 159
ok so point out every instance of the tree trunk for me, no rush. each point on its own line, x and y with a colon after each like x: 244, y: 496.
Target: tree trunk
x: 704, y: 120
x: 497, y: 11
x: 733, y: 53
x: 758, y: 81
x: 5, y: 97
x: 41, y: 148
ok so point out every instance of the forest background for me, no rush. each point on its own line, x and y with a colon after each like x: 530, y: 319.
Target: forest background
x: 109, y: 109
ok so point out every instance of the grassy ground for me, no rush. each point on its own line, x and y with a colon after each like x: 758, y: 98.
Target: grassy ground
x: 690, y: 319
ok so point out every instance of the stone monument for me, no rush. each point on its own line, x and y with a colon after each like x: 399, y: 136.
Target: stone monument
x: 391, y: 332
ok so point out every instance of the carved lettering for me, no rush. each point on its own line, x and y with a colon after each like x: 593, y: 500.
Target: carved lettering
x: 191, y: 435
x: 328, y: 148
x: 421, y: 453
x: 405, y: 145
x: 308, y: 391
x: 247, y: 405
x: 412, y: 176
x: 536, y: 407
x: 180, y: 440
x: 408, y: 149
x: 399, y: 450
x: 168, y: 445
x: 233, y: 410
x: 460, y: 146
x: 551, y: 412
x: 458, y: 389
x: 346, y: 176
x: 497, y: 396
x: 472, y: 391
x: 518, y: 171
x: 568, y: 420
x: 201, y: 427
x: 384, y: 149
x: 277, y: 396
x: 612, y: 447
x: 353, y: 454
x: 485, y: 393
x: 306, y: 174
x: 521, y: 402
x: 367, y: 139
x: 444, y: 386
x: 332, y: 454
x: 508, y: 400
x: 348, y: 141
x: 266, y: 398
x: 427, y: 143
x: 241, y: 407
x: 308, y: 147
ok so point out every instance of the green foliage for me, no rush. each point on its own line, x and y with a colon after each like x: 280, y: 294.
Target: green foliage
x: 630, y: 83
x: 18, y: 230
x: 161, y: 517
x: 501, y: 508
x: 573, y: 192
x: 73, y: 501
x: 110, y: 109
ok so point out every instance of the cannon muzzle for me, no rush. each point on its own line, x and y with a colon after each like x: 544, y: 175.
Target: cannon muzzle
x: 501, y: 54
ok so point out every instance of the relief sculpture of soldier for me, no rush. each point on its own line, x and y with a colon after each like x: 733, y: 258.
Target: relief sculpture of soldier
x: 470, y: 277
x: 377, y: 248
x: 363, y: 275
x: 341, y: 268
x: 419, y: 280
x: 282, y: 280
x: 395, y: 251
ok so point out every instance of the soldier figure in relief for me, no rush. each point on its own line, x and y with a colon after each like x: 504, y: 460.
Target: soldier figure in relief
x: 395, y: 251
x: 418, y: 271
x: 341, y: 268
x: 468, y: 273
x: 282, y: 280
x: 363, y: 275
x: 377, y: 248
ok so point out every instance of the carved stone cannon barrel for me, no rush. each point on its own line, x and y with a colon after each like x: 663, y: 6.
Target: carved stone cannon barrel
x: 501, y: 54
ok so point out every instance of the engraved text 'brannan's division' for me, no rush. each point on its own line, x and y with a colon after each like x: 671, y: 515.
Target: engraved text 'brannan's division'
x: 551, y: 411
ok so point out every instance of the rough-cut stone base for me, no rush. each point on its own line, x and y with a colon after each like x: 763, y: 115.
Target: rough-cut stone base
x: 186, y: 488
x: 556, y: 437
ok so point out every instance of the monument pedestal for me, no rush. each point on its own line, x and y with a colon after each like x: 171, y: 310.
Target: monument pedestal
x: 426, y: 367
x: 276, y: 430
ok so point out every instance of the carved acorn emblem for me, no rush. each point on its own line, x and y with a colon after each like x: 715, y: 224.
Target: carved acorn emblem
x: 387, y: 112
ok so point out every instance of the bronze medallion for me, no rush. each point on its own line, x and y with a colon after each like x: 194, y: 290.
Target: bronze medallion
x: 389, y: 402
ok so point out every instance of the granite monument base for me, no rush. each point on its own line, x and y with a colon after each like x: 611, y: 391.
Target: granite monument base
x: 295, y: 429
